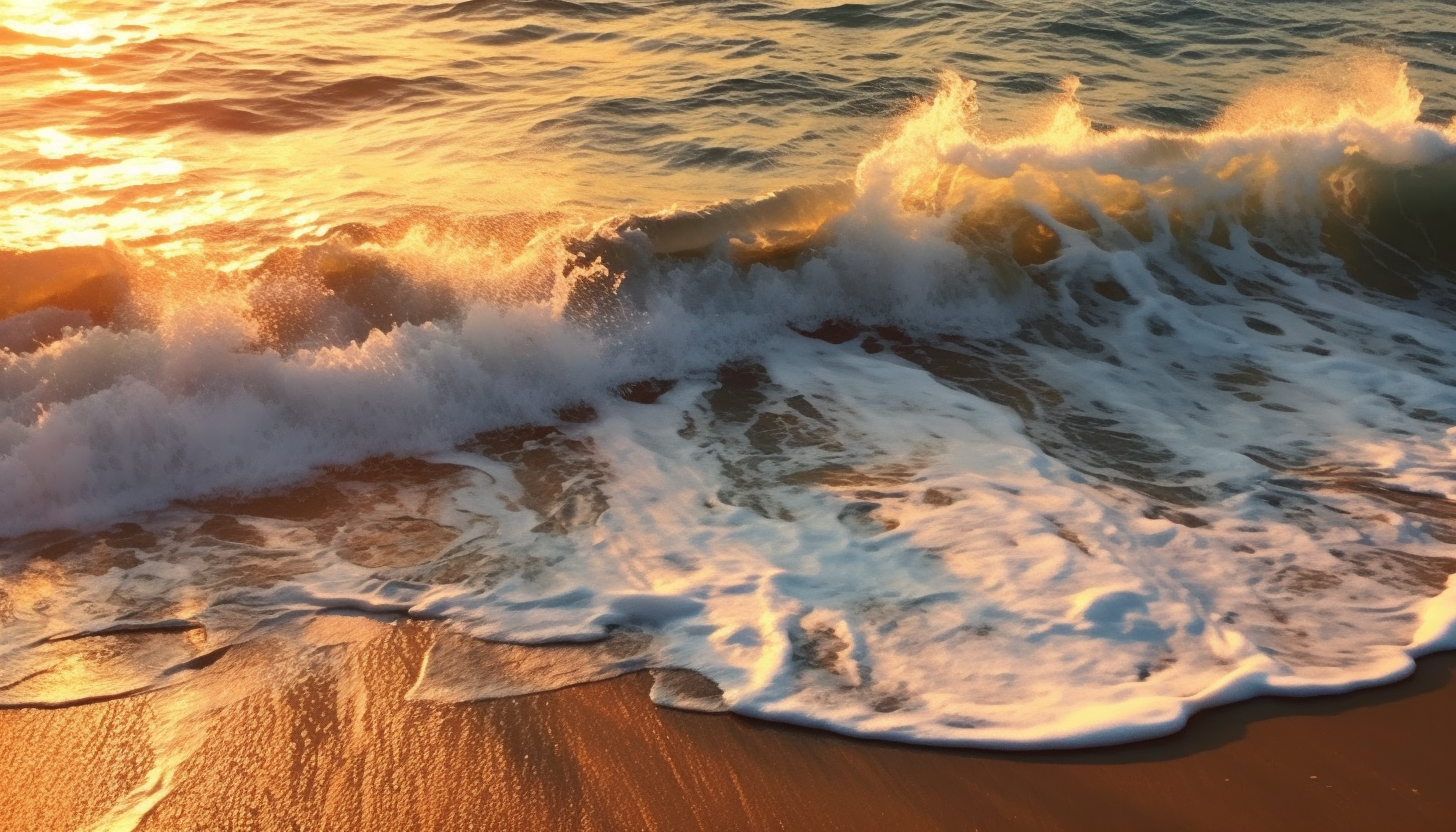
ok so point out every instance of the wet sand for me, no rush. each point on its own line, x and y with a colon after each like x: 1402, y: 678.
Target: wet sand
x: 336, y: 746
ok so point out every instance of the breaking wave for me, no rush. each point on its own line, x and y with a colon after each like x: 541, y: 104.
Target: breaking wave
x: 1040, y: 439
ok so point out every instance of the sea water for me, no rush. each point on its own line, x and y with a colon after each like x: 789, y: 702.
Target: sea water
x: 1017, y: 374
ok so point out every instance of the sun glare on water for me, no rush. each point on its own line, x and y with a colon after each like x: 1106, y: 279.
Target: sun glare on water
x: 46, y: 26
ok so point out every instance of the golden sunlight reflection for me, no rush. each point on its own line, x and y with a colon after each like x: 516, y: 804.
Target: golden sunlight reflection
x: 64, y: 185
x: 72, y: 190
x: 46, y: 26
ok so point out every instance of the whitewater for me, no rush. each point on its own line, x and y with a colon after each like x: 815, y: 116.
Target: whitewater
x: 1018, y: 431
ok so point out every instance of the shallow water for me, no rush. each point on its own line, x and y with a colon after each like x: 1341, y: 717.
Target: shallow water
x: 1009, y: 375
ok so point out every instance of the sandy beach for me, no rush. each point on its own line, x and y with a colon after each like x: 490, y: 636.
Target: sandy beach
x: 336, y: 746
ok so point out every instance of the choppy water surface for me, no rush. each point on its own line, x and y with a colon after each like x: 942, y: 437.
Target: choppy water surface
x: 1012, y: 375
x: 231, y: 127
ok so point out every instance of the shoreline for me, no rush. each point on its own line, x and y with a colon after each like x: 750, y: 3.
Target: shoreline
x: 329, y: 742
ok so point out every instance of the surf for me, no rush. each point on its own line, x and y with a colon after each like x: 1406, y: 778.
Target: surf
x: 1046, y: 437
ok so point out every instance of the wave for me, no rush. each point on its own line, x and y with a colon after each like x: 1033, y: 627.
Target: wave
x: 941, y: 231
x: 1142, y: 420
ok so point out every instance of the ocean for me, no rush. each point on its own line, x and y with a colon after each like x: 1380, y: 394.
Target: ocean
x: 999, y: 374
